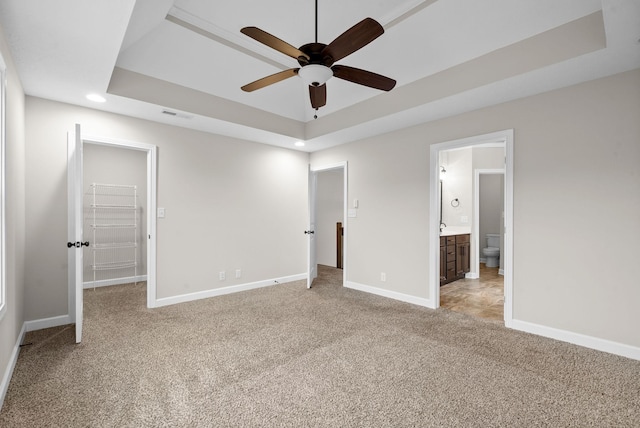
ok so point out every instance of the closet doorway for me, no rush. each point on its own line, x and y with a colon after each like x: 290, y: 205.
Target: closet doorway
x: 76, y: 143
x: 327, y: 200
x: 115, y: 207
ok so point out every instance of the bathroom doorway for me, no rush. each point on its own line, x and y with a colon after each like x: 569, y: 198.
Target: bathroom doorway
x: 463, y: 160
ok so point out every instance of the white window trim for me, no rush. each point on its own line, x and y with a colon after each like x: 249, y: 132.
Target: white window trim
x: 3, y: 254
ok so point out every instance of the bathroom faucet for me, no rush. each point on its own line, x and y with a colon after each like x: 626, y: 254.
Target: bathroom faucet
x: 442, y: 225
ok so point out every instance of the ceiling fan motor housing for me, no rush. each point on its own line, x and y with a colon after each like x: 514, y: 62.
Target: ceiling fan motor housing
x: 316, y: 55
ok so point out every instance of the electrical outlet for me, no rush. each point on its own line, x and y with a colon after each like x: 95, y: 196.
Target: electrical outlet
x: 222, y: 275
x: 238, y: 273
x: 383, y: 276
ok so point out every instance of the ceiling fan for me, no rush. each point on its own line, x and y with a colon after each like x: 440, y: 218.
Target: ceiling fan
x: 317, y: 60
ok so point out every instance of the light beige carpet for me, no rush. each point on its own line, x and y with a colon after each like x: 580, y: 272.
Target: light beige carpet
x: 292, y: 357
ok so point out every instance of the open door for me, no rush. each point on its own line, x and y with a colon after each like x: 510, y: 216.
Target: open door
x: 74, y: 227
x: 312, y: 265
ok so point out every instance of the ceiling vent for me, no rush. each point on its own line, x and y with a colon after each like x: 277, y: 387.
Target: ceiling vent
x: 176, y: 114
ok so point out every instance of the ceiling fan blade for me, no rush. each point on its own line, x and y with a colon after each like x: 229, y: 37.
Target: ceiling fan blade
x: 363, y: 77
x: 318, y: 95
x: 273, y: 42
x: 356, y: 37
x: 270, y: 80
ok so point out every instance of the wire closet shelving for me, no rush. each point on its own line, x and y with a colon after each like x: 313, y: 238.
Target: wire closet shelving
x: 113, y: 220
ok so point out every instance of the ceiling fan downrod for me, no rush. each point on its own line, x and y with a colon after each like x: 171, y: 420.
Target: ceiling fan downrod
x: 315, y: 115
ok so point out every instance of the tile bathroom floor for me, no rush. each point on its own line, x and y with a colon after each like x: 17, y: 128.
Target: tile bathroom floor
x: 483, y: 297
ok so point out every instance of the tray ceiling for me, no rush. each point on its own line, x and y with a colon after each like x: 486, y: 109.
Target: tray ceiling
x: 189, y: 57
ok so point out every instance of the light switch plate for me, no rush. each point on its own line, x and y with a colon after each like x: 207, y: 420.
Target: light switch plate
x: 160, y: 212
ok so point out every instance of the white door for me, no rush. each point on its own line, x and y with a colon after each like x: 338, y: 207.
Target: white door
x: 312, y: 265
x: 74, y: 227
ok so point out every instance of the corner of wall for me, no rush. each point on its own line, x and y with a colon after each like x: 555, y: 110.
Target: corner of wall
x: 8, y: 372
x: 12, y: 327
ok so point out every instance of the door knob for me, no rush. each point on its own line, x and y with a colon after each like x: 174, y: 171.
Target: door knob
x: 77, y: 244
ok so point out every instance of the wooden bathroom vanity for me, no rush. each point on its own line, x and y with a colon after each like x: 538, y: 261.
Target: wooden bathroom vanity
x: 455, y: 257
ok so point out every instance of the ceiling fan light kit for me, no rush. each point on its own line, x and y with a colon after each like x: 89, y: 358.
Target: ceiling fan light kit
x: 317, y: 60
x: 315, y: 74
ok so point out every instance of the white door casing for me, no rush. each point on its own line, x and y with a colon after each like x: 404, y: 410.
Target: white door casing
x: 506, y: 137
x: 313, y: 181
x: 152, y: 182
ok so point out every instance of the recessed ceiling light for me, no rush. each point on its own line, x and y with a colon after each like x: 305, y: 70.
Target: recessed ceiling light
x: 96, y: 98
x: 299, y: 144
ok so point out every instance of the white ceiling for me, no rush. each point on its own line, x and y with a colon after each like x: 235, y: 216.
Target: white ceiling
x: 448, y: 57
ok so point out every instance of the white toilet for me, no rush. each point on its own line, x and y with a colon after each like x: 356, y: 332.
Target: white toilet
x: 492, y: 251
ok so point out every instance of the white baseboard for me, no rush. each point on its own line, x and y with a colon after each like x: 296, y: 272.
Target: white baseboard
x: 578, y: 339
x: 166, y: 301
x: 115, y: 281
x: 390, y: 294
x: 471, y: 275
x: 501, y: 271
x: 47, y: 322
x: 540, y: 330
x: 13, y: 359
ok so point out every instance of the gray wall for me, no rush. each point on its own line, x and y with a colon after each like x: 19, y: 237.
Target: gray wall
x: 230, y: 204
x: 576, y: 151
x: 13, y: 319
x: 112, y: 165
x: 329, y: 211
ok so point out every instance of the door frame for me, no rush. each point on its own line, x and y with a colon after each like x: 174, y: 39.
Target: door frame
x: 506, y: 137
x: 151, y: 151
x: 344, y: 165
